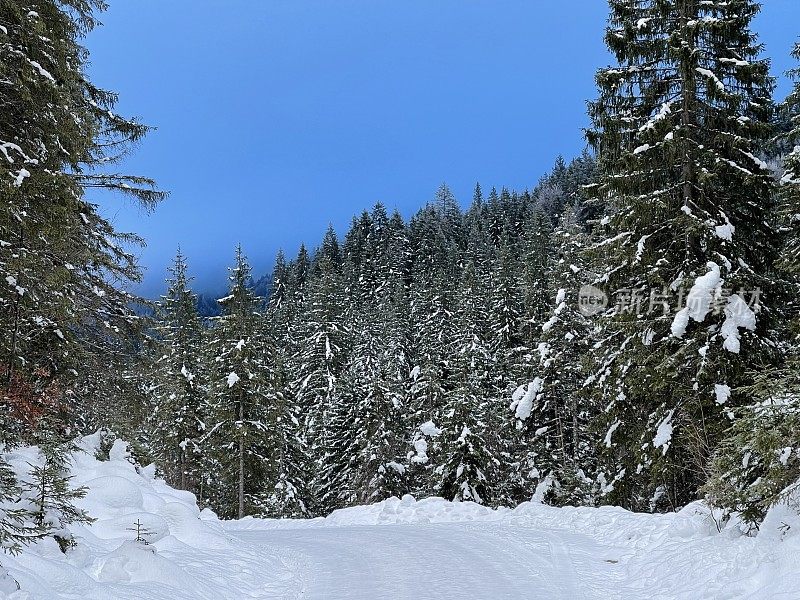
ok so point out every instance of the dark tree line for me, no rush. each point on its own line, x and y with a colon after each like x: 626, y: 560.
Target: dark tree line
x: 401, y: 336
x: 451, y: 355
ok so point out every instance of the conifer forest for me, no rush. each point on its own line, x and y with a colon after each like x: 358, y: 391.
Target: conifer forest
x: 624, y: 333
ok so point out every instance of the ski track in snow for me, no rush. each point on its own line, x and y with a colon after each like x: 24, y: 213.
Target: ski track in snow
x: 489, y: 561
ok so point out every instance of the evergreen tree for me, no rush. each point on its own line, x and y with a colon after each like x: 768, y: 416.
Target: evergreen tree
x: 114, y: 389
x: 757, y: 465
x: 50, y: 492
x: 534, y: 283
x: 431, y: 339
x: 291, y: 495
x: 15, y: 531
x: 240, y: 436
x: 180, y: 391
x: 469, y: 444
x: 790, y: 182
x: 374, y: 381
x: 551, y: 193
x: 551, y: 411
x: 475, y: 217
x: 677, y: 126
x: 505, y: 302
x: 378, y: 368
x: 62, y: 262
x: 318, y: 341
x: 508, y: 351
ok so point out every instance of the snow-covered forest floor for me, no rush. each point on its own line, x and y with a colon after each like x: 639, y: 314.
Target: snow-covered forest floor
x: 398, y: 549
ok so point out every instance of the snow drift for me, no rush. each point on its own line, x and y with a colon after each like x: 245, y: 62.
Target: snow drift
x: 399, y: 548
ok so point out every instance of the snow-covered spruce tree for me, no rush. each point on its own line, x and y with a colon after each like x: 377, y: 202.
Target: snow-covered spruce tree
x: 499, y: 265
x: 318, y: 342
x: 790, y: 182
x: 287, y: 324
x: 49, y: 491
x: 508, y: 215
x: 551, y: 410
x: 112, y: 390
x: 492, y: 212
x: 62, y: 263
x: 290, y: 497
x: 517, y: 353
x: 562, y: 187
x: 240, y: 429
x: 431, y: 335
x: 496, y: 323
x: 476, y: 217
x: 451, y: 221
x: 434, y: 247
x: 14, y: 529
x: 377, y: 372
x: 373, y: 378
x: 15, y: 522
x: 678, y: 126
x: 533, y: 283
x: 179, y: 390
x: 505, y: 310
x: 551, y: 193
x: 468, y: 465
x: 14, y: 533
x: 581, y: 173
x: 758, y: 463
x: 506, y: 347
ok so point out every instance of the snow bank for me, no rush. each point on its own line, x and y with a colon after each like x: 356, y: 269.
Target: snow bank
x: 188, y: 554
x: 587, y: 552
x: 409, y: 510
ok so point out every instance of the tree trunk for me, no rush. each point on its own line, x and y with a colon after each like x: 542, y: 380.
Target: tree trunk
x: 689, y: 91
x: 241, y: 459
x: 574, y: 408
x: 14, y: 338
x: 15, y: 331
x: 184, y: 485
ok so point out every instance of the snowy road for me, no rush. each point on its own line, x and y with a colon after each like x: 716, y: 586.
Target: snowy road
x: 490, y: 561
x: 398, y: 549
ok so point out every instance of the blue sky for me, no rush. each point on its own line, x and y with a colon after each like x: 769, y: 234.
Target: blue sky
x: 277, y: 117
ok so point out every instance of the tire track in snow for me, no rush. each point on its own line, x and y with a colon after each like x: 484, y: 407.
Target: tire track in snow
x: 439, y: 562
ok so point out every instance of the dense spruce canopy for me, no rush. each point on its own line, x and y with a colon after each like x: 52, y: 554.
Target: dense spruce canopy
x: 380, y: 365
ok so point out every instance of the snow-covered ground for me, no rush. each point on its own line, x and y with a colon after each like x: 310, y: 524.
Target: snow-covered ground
x: 399, y: 549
